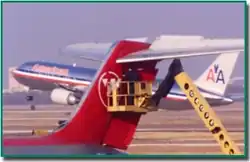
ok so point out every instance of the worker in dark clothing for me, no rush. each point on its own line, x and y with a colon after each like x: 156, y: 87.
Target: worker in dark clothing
x: 174, y: 69
x: 131, y: 76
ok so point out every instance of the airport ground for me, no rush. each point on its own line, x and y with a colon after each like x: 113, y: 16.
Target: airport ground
x: 162, y: 132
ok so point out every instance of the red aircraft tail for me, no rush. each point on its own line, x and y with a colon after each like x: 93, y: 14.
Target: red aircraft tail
x: 92, y: 123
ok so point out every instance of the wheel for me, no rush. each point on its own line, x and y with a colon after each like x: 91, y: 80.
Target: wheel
x: 32, y: 107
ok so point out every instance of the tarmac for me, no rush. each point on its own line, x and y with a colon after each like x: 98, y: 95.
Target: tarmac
x: 161, y: 132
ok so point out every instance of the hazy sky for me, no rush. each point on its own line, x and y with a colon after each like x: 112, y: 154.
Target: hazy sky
x: 34, y: 31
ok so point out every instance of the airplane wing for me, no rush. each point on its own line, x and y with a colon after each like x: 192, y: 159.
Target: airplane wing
x: 158, y: 55
x: 78, y: 91
x: 71, y: 88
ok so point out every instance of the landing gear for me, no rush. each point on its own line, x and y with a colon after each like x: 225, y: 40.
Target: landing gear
x: 30, y: 98
x: 32, y: 107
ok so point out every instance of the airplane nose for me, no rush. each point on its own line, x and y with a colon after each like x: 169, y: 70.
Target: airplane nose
x: 12, y: 72
x: 227, y: 101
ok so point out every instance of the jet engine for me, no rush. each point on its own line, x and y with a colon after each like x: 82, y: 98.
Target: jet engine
x: 62, y: 96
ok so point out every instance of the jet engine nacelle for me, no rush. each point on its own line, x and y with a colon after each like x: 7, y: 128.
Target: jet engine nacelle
x: 62, y: 96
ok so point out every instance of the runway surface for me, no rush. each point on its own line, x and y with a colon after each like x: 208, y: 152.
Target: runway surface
x: 162, y: 132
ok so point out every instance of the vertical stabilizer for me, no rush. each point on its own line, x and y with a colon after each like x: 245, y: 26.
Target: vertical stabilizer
x: 216, y: 77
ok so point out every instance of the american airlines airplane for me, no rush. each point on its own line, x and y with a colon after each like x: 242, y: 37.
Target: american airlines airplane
x: 67, y: 83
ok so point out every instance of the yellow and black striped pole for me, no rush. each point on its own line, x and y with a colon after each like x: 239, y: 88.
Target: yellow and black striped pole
x: 207, y: 114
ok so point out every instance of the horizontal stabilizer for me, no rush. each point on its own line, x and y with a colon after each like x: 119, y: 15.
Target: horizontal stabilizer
x: 157, y: 55
x: 87, y: 47
x: 87, y: 51
x: 94, y: 51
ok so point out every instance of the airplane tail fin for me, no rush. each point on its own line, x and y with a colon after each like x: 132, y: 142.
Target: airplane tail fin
x: 216, y: 77
x: 92, y: 123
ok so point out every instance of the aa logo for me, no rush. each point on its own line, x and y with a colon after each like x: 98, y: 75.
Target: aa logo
x: 216, y: 75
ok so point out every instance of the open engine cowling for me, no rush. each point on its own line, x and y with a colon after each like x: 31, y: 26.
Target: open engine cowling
x: 62, y: 96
